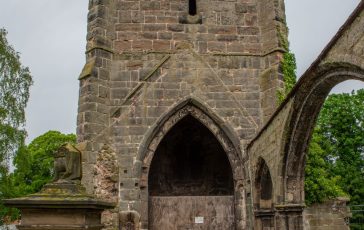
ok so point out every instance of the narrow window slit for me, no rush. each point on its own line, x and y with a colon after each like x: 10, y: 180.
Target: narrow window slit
x: 192, y: 8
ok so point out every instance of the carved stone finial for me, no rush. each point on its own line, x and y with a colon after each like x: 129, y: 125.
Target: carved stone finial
x: 67, y: 164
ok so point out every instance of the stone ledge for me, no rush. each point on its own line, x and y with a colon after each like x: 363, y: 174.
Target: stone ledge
x: 61, y: 205
x: 58, y: 202
x: 289, y: 207
x: 63, y: 227
x: 59, y: 195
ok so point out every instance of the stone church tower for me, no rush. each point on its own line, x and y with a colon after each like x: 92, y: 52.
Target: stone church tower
x: 171, y: 94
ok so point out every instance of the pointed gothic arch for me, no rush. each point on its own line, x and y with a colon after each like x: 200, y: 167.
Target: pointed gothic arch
x: 308, y: 101
x: 194, y: 110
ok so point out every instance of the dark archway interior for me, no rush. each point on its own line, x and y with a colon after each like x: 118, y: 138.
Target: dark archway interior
x: 266, y: 184
x: 192, y: 7
x: 190, y: 161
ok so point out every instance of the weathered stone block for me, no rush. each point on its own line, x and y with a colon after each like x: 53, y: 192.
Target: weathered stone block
x: 150, y: 5
x: 128, y: 27
x: 176, y: 27
x: 123, y: 45
x: 216, y: 46
x: 222, y: 29
x: 154, y: 27
x: 142, y: 45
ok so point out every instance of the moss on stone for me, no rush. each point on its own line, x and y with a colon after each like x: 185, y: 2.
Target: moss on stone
x: 87, y: 69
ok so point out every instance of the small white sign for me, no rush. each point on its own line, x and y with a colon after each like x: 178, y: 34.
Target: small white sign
x: 199, y: 220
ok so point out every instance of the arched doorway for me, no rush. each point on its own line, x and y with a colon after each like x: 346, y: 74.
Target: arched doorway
x: 190, y: 180
x: 204, y: 128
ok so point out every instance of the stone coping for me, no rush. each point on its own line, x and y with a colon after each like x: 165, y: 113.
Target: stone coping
x: 65, y: 227
x: 289, y: 207
x: 59, y: 195
x: 43, y: 202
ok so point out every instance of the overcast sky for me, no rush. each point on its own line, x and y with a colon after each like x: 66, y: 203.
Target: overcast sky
x: 50, y: 35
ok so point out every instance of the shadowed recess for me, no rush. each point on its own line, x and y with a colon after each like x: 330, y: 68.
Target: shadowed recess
x: 264, y: 186
x: 192, y: 7
x: 190, y: 161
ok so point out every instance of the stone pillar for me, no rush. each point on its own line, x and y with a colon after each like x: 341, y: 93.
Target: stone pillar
x: 289, y: 216
x: 264, y: 219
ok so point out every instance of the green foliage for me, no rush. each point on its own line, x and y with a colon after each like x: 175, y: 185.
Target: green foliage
x: 288, y: 67
x: 7, y: 190
x: 15, y: 81
x: 320, y: 184
x: 34, y: 163
x: 337, y: 150
x: 34, y: 168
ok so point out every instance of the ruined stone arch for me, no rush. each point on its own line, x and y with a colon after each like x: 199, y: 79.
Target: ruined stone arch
x: 223, y: 134
x: 310, y: 95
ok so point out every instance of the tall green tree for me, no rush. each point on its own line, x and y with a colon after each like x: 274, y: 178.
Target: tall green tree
x: 15, y: 81
x: 320, y: 183
x: 344, y: 127
x: 337, y: 150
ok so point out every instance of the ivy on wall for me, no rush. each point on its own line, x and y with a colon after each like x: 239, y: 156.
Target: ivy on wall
x: 289, y: 73
x: 288, y: 68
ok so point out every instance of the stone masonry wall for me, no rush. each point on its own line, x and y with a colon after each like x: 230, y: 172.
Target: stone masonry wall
x: 93, y: 105
x: 181, y: 77
x: 240, y: 28
x: 146, y: 61
x: 160, y: 25
x: 350, y: 48
x: 270, y: 146
x: 145, y: 58
x: 331, y: 215
x: 272, y: 24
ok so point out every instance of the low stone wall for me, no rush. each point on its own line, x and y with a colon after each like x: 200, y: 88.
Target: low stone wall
x: 331, y: 215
